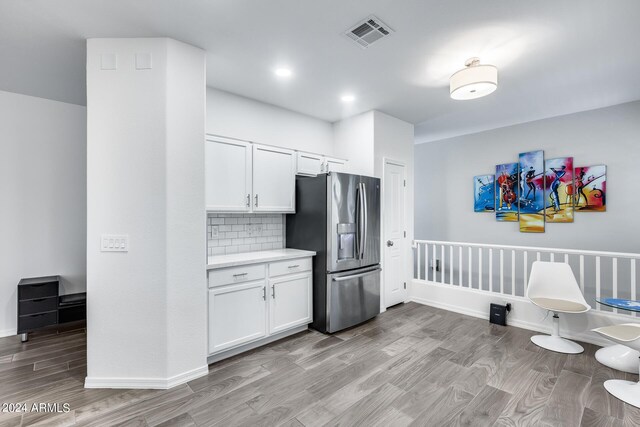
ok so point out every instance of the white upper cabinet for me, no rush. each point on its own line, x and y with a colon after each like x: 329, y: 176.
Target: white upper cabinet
x: 274, y: 181
x: 228, y: 176
x: 335, y: 165
x: 310, y: 164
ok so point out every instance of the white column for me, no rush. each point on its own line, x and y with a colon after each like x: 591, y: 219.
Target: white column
x: 146, y: 314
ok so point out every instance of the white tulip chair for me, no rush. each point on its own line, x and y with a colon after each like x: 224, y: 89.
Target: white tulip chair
x: 627, y: 334
x: 553, y: 287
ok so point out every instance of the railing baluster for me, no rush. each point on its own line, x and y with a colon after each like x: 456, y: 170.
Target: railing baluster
x: 490, y: 270
x: 442, y: 264
x: 614, y: 281
x: 552, y: 257
x: 460, y: 266
x: 598, y: 280
x: 566, y: 258
x: 418, y: 259
x: 426, y: 262
x: 502, y: 271
x: 434, y: 272
x: 480, y: 268
x: 582, y: 273
x: 513, y: 272
x: 525, y: 278
x: 470, y: 257
x: 451, y: 265
x: 633, y: 282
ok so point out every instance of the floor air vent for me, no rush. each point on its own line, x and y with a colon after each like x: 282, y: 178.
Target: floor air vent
x: 368, y: 31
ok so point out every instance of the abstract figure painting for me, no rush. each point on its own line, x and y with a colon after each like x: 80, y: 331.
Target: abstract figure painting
x: 559, y: 189
x: 483, y: 193
x: 507, y: 192
x: 591, y: 188
x: 531, y: 200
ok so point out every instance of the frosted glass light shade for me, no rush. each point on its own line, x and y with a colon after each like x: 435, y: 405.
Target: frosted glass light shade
x: 473, y: 82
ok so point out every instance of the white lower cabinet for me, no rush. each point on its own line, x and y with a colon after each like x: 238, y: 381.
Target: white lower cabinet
x: 244, y: 310
x: 237, y: 315
x: 290, y: 303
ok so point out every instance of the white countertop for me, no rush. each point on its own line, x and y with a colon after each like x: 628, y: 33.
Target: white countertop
x: 231, y: 260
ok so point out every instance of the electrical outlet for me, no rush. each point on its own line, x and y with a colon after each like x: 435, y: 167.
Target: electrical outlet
x: 215, y: 231
x: 114, y: 243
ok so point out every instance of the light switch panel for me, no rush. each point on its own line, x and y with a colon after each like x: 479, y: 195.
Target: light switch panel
x: 114, y: 243
x: 143, y: 61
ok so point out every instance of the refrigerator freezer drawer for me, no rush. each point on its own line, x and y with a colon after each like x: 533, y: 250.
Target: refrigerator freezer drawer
x: 353, y: 297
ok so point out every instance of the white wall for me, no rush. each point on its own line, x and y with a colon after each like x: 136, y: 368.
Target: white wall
x: 243, y: 118
x: 43, y: 188
x: 445, y: 170
x: 147, y: 307
x: 353, y: 139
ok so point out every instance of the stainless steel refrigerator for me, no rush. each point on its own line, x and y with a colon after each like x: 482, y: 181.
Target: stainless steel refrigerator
x: 338, y: 216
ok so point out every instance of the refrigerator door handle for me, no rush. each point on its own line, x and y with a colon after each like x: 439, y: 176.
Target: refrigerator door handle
x: 365, y: 215
x: 355, y: 276
x: 361, y: 221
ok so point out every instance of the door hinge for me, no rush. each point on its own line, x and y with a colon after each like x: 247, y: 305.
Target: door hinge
x: 405, y: 182
x: 405, y: 285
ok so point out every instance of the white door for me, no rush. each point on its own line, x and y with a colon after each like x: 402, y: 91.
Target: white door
x: 394, y: 239
x: 335, y: 165
x: 290, y: 301
x: 237, y: 315
x: 228, y: 176
x: 309, y: 164
x: 274, y: 179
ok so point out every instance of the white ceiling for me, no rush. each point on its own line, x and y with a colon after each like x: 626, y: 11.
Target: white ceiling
x: 554, y: 57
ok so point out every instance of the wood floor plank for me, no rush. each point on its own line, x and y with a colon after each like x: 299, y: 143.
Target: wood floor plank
x: 591, y: 418
x: 600, y: 400
x: 566, y: 403
x: 442, y: 408
x: 484, y: 409
x: 368, y: 409
x: 528, y: 401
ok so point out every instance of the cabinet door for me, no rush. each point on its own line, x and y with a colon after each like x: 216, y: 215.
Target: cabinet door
x: 309, y: 164
x: 237, y: 315
x: 290, y: 302
x: 228, y: 176
x: 274, y: 179
x: 335, y: 165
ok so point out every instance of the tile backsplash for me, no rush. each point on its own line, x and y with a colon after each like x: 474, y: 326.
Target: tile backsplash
x: 235, y: 233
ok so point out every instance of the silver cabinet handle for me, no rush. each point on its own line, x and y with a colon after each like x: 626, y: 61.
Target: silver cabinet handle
x: 256, y: 200
x: 264, y: 293
x: 248, y: 200
x: 273, y: 291
x: 240, y: 274
x: 294, y: 266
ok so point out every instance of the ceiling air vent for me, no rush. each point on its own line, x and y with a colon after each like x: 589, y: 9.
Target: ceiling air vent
x: 368, y: 31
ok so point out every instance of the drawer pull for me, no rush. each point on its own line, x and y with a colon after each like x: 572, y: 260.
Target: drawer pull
x: 294, y: 266
x: 38, y: 299
x: 273, y: 291
x: 240, y: 274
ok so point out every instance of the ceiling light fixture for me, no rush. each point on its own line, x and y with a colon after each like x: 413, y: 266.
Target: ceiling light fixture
x: 474, y: 81
x: 283, y: 72
x: 347, y: 98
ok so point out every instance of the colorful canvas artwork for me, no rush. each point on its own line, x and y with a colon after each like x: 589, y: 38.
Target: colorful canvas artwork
x: 559, y: 189
x: 531, y: 201
x: 591, y: 188
x: 483, y: 193
x: 506, y: 192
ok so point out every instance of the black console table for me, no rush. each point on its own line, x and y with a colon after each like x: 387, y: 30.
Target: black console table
x: 40, y: 305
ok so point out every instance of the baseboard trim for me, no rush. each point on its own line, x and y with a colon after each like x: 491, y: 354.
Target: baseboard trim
x: 146, y: 383
x: 524, y: 314
x: 7, y: 332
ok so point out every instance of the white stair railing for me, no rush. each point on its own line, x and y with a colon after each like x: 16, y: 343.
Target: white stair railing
x: 505, y: 269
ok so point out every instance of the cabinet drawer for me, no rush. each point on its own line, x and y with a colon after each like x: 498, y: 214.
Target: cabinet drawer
x: 38, y: 305
x: 35, y: 321
x: 38, y: 290
x: 280, y: 268
x: 231, y: 275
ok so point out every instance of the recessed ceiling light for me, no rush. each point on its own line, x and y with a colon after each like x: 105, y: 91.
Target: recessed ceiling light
x: 347, y: 98
x: 474, y: 81
x: 283, y: 72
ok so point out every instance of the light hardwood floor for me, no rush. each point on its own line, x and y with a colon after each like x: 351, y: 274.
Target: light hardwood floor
x: 413, y: 365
